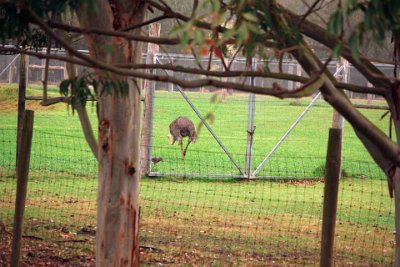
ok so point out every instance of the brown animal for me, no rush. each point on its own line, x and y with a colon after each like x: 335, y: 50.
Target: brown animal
x: 180, y: 128
x: 156, y: 160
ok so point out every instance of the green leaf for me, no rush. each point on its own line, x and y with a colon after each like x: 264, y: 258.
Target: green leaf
x: 176, y: 30
x: 64, y: 87
x: 337, y: 51
x: 335, y: 22
x: 250, y: 17
x: 243, y: 34
x: 215, y: 5
x: 199, y: 36
x: 124, y: 88
x: 185, y: 39
x: 353, y: 43
x: 368, y: 19
x: 228, y: 35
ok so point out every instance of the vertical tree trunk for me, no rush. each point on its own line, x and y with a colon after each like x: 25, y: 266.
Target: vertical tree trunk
x: 145, y: 140
x: 117, y: 236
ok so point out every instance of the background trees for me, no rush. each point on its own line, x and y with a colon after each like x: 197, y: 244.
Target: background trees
x: 113, y: 32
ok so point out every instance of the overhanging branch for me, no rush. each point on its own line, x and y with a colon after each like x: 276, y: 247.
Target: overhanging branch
x: 364, y: 66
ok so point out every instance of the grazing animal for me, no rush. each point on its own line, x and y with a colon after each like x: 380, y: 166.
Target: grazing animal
x: 156, y: 160
x: 180, y: 128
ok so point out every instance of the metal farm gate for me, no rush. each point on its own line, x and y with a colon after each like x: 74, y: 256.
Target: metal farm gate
x: 232, y: 153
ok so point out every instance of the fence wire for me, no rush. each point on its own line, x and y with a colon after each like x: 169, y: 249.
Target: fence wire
x: 204, y: 220
x: 197, y: 211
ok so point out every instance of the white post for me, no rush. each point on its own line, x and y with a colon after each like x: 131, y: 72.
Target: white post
x: 290, y: 71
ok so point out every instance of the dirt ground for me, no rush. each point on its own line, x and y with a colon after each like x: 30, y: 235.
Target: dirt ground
x: 36, y: 251
x: 77, y: 249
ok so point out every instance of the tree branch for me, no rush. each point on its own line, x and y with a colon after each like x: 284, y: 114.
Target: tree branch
x: 156, y: 19
x: 311, y: 64
x: 122, y: 34
x: 200, y: 24
x: 364, y: 66
x: 273, y: 75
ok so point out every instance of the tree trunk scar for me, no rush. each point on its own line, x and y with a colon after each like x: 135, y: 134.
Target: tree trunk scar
x: 116, y: 21
x: 129, y: 168
x: 104, y: 130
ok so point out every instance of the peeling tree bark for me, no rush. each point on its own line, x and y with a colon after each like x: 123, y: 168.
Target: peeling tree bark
x: 117, y: 242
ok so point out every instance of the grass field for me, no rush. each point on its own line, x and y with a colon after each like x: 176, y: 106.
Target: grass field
x: 302, y: 155
x: 208, y: 220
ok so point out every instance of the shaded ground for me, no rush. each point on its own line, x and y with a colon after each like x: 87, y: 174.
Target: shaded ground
x: 49, y: 244
x: 67, y: 248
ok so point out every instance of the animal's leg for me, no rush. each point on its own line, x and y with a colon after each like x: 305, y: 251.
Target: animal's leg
x: 184, y: 151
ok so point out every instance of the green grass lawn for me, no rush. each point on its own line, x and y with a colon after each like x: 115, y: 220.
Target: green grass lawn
x: 59, y: 138
x: 210, y: 219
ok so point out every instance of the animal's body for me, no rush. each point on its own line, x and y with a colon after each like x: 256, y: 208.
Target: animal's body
x: 156, y: 160
x: 180, y: 128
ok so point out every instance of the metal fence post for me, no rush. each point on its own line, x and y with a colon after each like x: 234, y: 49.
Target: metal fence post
x: 250, y: 126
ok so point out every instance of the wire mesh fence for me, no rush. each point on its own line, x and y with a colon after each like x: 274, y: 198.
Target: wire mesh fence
x: 200, y: 210
x: 208, y: 219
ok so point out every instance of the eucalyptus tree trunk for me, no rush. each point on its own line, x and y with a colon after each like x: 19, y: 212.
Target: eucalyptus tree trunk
x: 117, y: 242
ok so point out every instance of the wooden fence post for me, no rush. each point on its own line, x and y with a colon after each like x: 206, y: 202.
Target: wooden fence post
x: 21, y: 101
x: 145, y: 140
x: 332, y: 174
x: 22, y: 182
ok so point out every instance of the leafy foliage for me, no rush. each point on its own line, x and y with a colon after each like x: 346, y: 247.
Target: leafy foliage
x: 379, y: 18
x: 81, y: 88
x: 242, y: 22
x: 15, y: 26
